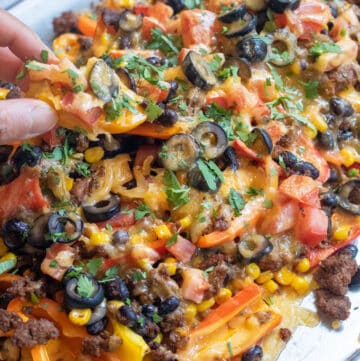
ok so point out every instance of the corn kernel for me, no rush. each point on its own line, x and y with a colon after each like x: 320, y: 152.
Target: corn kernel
x: 264, y: 277
x: 252, y: 322
x: 3, y: 248
x: 341, y: 233
x: 284, y: 276
x: 124, y: 3
x: 252, y: 270
x: 310, y: 132
x: 185, y: 222
x: 205, y: 305
x: 300, y: 285
x: 223, y: 295
x: 240, y: 283
x: 182, y: 331
x: 271, y: 286
x: 163, y: 231
x: 69, y: 182
x: 171, y: 265
x: 303, y: 265
x: 94, y: 154
x: 336, y: 324
x: 98, y: 238
x: 3, y: 93
x: 348, y: 157
x: 79, y: 316
x: 190, y: 313
x: 319, y: 122
x: 295, y: 67
x: 158, y: 338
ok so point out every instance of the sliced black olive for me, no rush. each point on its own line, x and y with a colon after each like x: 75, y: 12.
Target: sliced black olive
x: 182, y: 151
x: 212, y: 138
x: 233, y: 15
x: 198, y: 71
x: 65, y: 227
x: 242, y: 26
x: 103, y: 81
x: 341, y: 107
x: 129, y: 21
x: 355, y: 280
x: 252, y: 248
x: 127, y: 316
x: 282, y: 47
x: 326, y: 140
x: 242, y: 64
x: 15, y: 233
x: 169, y: 305
x: 231, y: 159
x: 254, y: 353
x: 116, y: 290
x: 27, y: 155
x: 8, y: 172
x: 38, y: 231
x: 279, y: 6
x: 102, y: 210
x: 97, y: 327
x: 5, y: 151
x: 197, y: 180
x: 120, y: 237
x: 176, y: 5
x: 349, y: 196
x: 172, y: 92
x: 351, y: 248
x: 252, y: 48
x: 287, y: 158
x: 73, y: 298
x: 305, y: 168
x: 98, y: 313
x: 168, y: 117
x: 261, y: 142
x: 126, y: 78
x: 328, y: 199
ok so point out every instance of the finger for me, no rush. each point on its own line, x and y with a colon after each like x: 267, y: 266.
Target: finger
x: 10, y: 65
x: 22, y: 41
x: 24, y: 118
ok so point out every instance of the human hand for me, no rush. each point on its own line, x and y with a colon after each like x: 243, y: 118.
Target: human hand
x: 21, y: 118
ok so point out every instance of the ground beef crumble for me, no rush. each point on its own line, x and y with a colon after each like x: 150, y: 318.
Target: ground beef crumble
x: 65, y: 23
x: 333, y: 306
x: 285, y: 334
x: 24, y: 287
x: 34, y: 332
x: 9, y: 320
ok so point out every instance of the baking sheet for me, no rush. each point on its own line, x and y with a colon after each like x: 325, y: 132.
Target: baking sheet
x: 318, y: 344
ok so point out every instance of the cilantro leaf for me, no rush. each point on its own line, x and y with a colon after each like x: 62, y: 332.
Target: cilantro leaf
x: 177, y: 194
x: 94, y: 265
x: 236, y: 201
x: 33, y: 66
x: 153, y: 111
x: 139, y: 275
x: 215, y: 62
x: 208, y: 174
x: 310, y: 88
x: 320, y: 48
x: 85, y: 287
x: 302, y: 120
x: 279, y: 85
x: 172, y: 240
x: 83, y: 169
x: 44, y: 56
x: 141, y: 211
x: 117, y: 105
x: 167, y: 43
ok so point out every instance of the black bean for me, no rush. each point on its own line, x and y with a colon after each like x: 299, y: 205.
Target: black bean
x: 341, y: 107
x: 97, y: 327
x: 352, y: 249
x: 328, y: 199
x: 255, y: 353
x: 120, y: 237
x: 355, y: 281
x: 15, y: 233
x: 5, y: 151
x: 148, y: 310
x: 116, y: 290
x: 306, y: 168
x: 168, y: 118
x: 127, y: 314
x: 27, y: 155
x: 289, y: 159
x: 147, y: 329
x: 169, y: 305
x: 326, y: 140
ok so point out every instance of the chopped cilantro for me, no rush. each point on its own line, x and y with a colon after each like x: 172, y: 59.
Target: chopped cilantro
x: 302, y: 120
x: 141, y: 211
x: 21, y: 74
x: 231, y: 71
x: 172, y: 240
x: 34, y: 299
x: 117, y: 105
x: 236, y: 201
x: 177, y: 194
x: 210, y: 172
x: 168, y: 44
x: 44, y: 56
x: 215, y: 62
x: 110, y: 274
x: 279, y: 85
x: 94, y: 265
x: 32, y: 66
x: 229, y: 347
x: 156, y: 318
x: 85, y: 287
x: 320, y: 48
x: 54, y: 264
x: 75, y: 271
x: 139, y: 275
x: 83, y: 169
x: 310, y: 88
x: 108, y: 227
x: 153, y: 111
x: 254, y: 192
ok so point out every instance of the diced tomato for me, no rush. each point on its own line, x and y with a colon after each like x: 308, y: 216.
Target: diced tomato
x: 311, y: 226
x: 22, y: 193
x: 120, y: 220
x: 218, y: 97
x: 194, y: 284
x: 141, y: 9
x: 140, y: 252
x: 280, y: 218
x: 111, y: 262
x: 161, y: 12
x: 52, y: 138
x: 301, y: 188
x: 148, y: 24
x: 276, y: 130
x: 64, y: 256
x: 182, y: 249
x: 198, y: 27
x: 242, y: 149
x: 152, y: 91
x: 145, y: 151
x: 259, y: 84
x: 215, y: 5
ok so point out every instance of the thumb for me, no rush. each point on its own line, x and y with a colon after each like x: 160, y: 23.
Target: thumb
x: 24, y: 118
